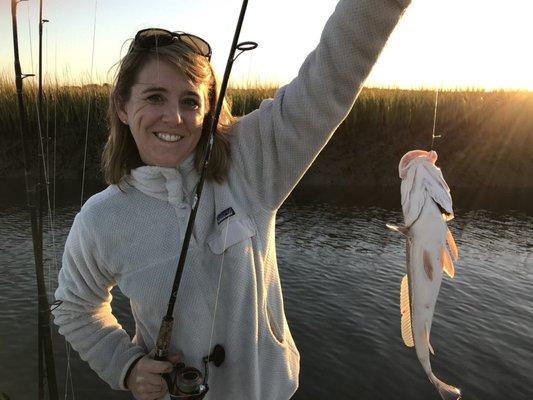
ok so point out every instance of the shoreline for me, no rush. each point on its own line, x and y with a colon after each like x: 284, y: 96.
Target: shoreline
x: 485, y: 140
x: 383, y: 196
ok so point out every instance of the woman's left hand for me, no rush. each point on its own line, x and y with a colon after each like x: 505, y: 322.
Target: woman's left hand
x: 145, y: 380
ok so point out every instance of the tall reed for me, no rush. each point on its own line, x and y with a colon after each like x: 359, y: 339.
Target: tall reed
x: 488, y: 132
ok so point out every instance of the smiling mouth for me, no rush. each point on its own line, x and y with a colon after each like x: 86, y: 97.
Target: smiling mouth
x: 166, y: 137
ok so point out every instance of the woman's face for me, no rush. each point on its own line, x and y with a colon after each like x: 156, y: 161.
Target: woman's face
x: 165, y: 113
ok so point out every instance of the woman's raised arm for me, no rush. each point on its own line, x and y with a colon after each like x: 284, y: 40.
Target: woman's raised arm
x: 274, y: 145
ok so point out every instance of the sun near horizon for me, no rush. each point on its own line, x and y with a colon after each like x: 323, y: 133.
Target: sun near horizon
x: 438, y: 44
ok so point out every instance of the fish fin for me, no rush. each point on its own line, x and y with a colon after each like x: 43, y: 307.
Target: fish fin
x: 427, y: 265
x: 447, y: 264
x: 429, y: 343
x: 401, y: 229
x: 447, y: 392
x: 405, y: 310
x: 451, y: 244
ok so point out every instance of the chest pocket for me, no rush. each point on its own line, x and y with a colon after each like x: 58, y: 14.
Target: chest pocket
x: 230, y: 232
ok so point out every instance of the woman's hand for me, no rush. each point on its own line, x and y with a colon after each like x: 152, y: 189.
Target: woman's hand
x: 145, y: 380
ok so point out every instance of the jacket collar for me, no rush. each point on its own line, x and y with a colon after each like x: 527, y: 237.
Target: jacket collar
x: 174, y: 185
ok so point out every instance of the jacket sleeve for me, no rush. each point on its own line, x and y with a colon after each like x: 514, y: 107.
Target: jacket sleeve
x: 274, y: 145
x: 84, y: 316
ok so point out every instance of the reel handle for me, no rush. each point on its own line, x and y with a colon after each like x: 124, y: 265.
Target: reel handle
x: 166, y: 376
x: 160, y: 358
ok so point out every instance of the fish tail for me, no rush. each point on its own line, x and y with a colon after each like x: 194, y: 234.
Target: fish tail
x: 447, y: 392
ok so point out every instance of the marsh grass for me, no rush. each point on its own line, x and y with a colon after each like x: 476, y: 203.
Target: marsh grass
x: 492, y: 131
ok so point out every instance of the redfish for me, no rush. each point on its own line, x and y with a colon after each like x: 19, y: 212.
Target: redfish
x: 430, y: 249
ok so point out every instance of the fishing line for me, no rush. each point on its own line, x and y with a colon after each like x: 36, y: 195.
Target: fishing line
x: 224, y: 247
x: 47, y: 130
x: 433, y: 136
x: 46, y: 179
x: 88, y: 107
x: 43, y: 157
x: 217, y: 294
x: 29, y: 34
x: 248, y: 86
x: 53, y: 271
x: 46, y: 159
x: 223, y: 254
x: 54, y: 154
x: 33, y: 180
x: 222, y: 259
x: 68, y: 377
x: 46, y: 170
x: 56, y: 89
x: 52, y: 266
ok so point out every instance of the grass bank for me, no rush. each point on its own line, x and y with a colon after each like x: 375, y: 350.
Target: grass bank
x: 487, y: 137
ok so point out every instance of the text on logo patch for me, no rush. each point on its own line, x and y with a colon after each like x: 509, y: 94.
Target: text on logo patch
x: 224, y: 215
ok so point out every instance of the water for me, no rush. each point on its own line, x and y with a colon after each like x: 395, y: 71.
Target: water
x: 340, y: 271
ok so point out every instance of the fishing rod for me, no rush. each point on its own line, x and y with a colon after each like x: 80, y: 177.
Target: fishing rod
x: 188, y: 382
x: 31, y: 178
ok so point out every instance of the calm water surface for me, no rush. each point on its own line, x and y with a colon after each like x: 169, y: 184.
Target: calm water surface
x: 340, y: 271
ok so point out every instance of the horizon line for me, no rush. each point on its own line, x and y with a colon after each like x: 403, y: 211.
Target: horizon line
x: 6, y: 76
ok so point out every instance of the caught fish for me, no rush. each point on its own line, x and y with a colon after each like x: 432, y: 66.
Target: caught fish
x: 430, y: 250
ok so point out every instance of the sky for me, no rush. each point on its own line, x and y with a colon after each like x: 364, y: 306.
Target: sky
x: 437, y: 44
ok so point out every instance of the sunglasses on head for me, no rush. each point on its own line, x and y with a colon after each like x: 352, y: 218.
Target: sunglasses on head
x: 156, y: 37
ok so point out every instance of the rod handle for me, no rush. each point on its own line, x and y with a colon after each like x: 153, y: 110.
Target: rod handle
x: 163, y: 339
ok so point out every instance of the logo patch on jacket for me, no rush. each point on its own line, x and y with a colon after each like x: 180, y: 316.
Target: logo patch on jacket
x: 224, y: 215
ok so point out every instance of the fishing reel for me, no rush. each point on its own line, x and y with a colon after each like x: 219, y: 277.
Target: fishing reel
x: 188, y: 383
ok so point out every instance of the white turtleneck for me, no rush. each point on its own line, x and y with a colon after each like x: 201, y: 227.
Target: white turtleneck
x: 174, y: 185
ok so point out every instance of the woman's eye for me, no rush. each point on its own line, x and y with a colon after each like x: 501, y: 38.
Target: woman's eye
x: 155, y: 98
x: 191, y: 103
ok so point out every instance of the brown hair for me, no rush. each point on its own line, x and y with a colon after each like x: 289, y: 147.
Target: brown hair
x: 120, y: 153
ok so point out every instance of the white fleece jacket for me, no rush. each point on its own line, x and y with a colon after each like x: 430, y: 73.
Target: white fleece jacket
x: 133, y: 238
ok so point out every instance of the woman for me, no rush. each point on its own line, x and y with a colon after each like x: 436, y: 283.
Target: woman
x: 131, y: 233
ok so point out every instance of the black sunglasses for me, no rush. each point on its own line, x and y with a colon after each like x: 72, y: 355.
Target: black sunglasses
x: 154, y: 37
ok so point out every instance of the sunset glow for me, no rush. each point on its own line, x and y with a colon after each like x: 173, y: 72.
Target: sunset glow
x: 438, y: 43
